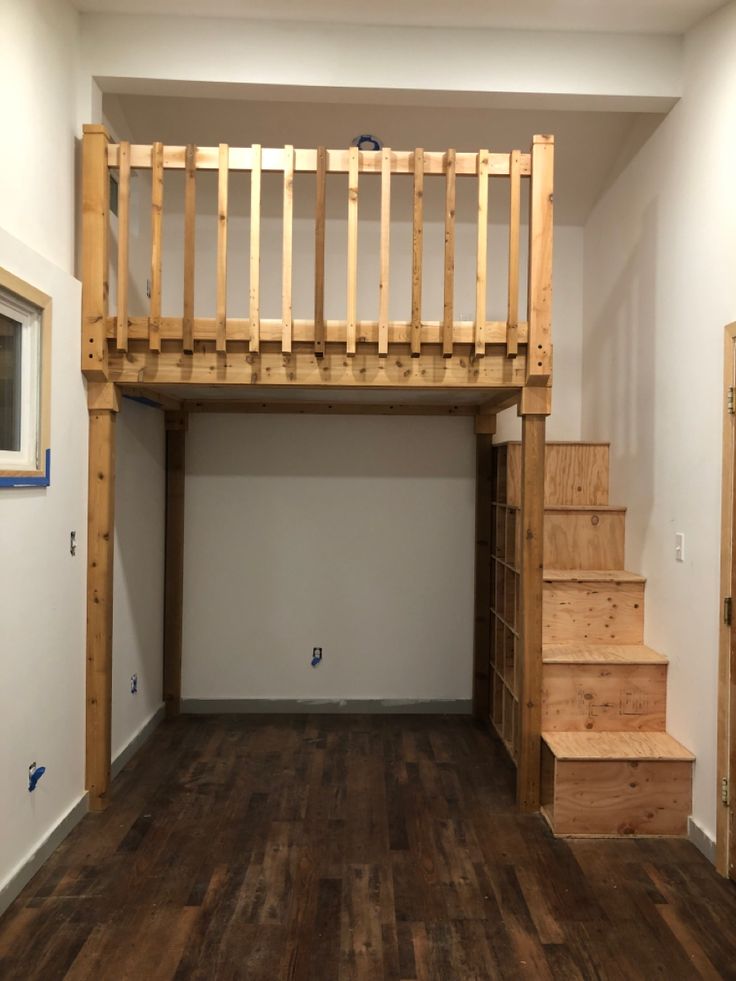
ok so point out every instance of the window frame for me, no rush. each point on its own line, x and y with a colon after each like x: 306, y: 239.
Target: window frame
x: 32, y: 308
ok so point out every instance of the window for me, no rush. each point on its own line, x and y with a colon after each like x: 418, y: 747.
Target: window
x: 25, y: 329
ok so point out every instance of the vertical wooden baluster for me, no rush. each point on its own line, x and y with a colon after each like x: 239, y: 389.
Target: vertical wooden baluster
x: 95, y: 236
x: 352, y: 287
x: 448, y: 319
x: 482, y: 255
x: 385, y: 252
x: 512, y: 317
x: 539, y: 303
x: 190, y: 213
x: 416, y: 254
x: 223, y: 175
x: 255, y: 250
x: 157, y: 208
x: 287, y: 313
x: 123, y: 246
x: 319, y: 254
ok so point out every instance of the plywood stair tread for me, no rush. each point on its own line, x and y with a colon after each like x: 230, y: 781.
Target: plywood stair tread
x: 615, y: 746
x: 601, y: 654
x: 592, y: 575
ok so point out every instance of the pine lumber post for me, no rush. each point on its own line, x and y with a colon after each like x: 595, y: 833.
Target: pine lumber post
x: 287, y: 250
x: 255, y: 250
x: 95, y: 227
x: 190, y: 218
x: 385, y: 261
x: 539, y: 304
x: 530, y: 611
x: 417, y: 248
x: 448, y: 311
x: 102, y: 400
x: 123, y: 247
x: 352, y: 283
x: 481, y: 255
x: 482, y: 633
x: 223, y: 176
x: 157, y: 214
x: 319, y: 254
x: 176, y: 428
x: 512, y: 315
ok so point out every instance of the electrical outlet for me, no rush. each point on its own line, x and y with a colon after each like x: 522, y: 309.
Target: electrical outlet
x: 679, y: 547
x: 134, y: 684
x: 316, y: 656
x: 72, y: 543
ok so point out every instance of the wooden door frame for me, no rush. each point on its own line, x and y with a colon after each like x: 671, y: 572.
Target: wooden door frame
x: 726, y: 761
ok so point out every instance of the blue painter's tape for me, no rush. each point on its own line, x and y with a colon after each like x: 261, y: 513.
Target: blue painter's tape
x: 44, y: 480
x: 143, y: 400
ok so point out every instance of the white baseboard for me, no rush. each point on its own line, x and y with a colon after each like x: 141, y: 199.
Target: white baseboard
x: 327, y: 706
x: 702, y: 840
x: 143, y: 735
x: 25, y: 872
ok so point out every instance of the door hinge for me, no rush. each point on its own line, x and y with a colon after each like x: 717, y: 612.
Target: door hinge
x: 727, y: 610
x: 724, y: 792
x: 731, y: 400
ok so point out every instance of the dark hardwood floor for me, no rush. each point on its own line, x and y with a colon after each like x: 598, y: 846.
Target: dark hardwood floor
x: 353, y: 847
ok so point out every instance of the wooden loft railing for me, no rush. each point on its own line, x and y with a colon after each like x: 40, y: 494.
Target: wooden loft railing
x: 480, y: 353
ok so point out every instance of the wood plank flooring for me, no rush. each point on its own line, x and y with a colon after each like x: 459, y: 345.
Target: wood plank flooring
x: 334, y: 848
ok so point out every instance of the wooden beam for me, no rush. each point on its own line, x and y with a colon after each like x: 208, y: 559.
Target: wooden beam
x: 100, y: 544
x: 485, y: 423
x: 190, y: 218
x: 123, y: 246
x: 481, y: 255
x: 240, y: 406
x: 417, y: 249
x: 482, y: 636
x: 400, y: 331
x: 338, y: 161
x: 95, y: 222
x: 255, y: 250
x: 287, y: 251
x: 157, y: 210
x: 384, y: 259
x: 319, y: 253
x: 352, y: 284
x: 512, y: 316
x: 223, y: 176
x: 448, y: 318
x: 539, y: 304
x: 530, y: 611
x: 176, y: 426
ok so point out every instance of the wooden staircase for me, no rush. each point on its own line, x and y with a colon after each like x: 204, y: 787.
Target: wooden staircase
x: 608, y: 765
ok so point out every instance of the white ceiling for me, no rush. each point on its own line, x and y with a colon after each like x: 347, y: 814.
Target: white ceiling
x: 636, y: 16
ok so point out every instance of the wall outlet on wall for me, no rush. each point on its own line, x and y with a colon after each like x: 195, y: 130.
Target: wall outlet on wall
x: 316, y: 656
x: 680, y: 547
x: 134, y: 684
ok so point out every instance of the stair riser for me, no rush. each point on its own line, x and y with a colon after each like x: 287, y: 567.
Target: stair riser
x: 595, y: 613
x: 584, y: 540
x: 575, y: 473
x: 604, y: 698
x: 613, y: 797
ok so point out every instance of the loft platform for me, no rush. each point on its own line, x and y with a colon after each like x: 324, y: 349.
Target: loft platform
x: 241, y: 347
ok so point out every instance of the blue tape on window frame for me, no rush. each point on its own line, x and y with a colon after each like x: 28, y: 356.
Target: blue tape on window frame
x: 43, y: 480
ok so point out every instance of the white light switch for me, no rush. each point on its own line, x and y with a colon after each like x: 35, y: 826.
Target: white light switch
x: 680, y: 547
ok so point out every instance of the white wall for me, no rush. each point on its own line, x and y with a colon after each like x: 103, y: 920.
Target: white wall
x: 350, y: 533
x: 660, y: 251
x: 42, y: 595
x: 140, y: 483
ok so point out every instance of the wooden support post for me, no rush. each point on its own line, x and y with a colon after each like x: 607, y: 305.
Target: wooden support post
x: 255, y: 250
x: 385, y: 260
x: 481, y: 255
x: 223, y: 177
x: 103, y: 406
x: 190, y: 218
x: 157, y: 215
x: 512, y: 315
x: 539, y: 304
x: 123, y: 246
x: 448, y: 306
x: 95, y: 221
x: 352, y: 284
x: 530, y: 611
x: 287, y: 250
x: 483, y: 512
x: 176, y: 427
x: 319, y: 254
x: 417, y: 247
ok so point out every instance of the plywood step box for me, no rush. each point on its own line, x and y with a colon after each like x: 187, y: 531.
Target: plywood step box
x: 609, y: 768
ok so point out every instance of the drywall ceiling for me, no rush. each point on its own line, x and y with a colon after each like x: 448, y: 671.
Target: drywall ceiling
x: 636, y: 16
x: 591, y: 147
